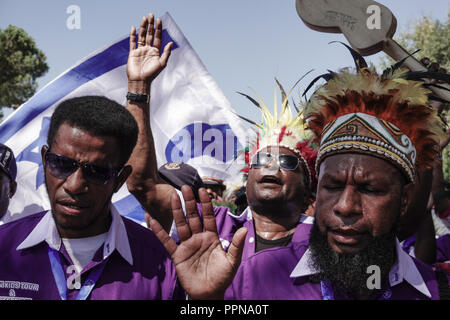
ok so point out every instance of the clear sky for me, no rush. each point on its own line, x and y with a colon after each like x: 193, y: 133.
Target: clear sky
x: 243, y: 43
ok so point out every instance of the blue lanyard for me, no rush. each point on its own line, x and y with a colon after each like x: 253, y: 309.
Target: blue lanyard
x: 60, y: 278
x: 327, y: 290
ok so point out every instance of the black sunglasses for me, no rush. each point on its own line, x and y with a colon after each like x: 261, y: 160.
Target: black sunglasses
x: 62, y: 167
x: 285, y: 161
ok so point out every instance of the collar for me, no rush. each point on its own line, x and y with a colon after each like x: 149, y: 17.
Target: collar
x: 404, y: 269
x: 244, y: 216
x: 116, y: 237
x: 306, y: 219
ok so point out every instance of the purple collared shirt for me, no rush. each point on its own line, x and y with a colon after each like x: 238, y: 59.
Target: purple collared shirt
x: 264, y: 275
x: 443, y: 249
x: 261, y: 275
x: 409, y: 279
x: 137, y: 266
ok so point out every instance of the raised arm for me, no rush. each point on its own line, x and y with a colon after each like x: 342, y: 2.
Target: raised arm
x: 144, y: 64
x: 204, y: 269
x: 425, y: 245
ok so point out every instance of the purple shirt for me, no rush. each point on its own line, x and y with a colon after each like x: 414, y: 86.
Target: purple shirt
x: 228, y: 223
x: 137, y: 266
x: 409, y: 279
x: 443, y: 249
x: 264, y: 275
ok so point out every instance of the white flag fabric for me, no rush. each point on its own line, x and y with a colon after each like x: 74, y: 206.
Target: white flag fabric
x: 191, y: 119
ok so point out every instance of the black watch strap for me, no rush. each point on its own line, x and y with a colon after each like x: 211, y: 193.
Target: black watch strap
x: 135, y: 97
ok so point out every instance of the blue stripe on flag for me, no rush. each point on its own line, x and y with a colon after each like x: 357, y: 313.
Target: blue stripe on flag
x: 114, y: 56
x: 111, y: 58
x: 130, y: 208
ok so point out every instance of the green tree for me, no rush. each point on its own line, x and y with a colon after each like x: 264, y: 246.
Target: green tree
x: 432, y: 37
x: 21, y: 63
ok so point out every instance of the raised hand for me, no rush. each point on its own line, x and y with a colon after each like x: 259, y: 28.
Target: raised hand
x: 145, y: 61
x: 204, y: 269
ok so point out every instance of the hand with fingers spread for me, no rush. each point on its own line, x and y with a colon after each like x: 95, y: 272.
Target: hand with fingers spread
x: 204, y: 269
x: 145, y: 61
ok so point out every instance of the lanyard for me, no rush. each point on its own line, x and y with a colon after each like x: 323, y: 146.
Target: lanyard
x: 60, y: 278
x: 327, y: 290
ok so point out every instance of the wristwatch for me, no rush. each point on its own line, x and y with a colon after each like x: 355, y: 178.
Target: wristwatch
x: 135, y: 97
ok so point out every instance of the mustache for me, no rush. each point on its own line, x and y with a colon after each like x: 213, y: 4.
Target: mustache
x: 348, y: 272
x: 74, y: 200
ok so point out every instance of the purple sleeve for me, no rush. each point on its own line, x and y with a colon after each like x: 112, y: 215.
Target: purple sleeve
x: 443, y: 248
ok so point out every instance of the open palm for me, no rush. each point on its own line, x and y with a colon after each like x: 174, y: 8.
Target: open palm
x: 145, y: 61
x: 203, y: 267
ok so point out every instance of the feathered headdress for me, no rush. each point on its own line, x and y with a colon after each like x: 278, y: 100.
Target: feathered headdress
x: 383, y: 115
x: 283, y: 130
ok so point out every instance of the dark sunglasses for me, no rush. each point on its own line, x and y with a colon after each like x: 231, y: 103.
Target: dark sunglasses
x: 285, y: 161
x: 62, y: 167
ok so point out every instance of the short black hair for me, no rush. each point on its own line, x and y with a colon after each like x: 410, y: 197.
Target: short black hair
x: 98, y: 116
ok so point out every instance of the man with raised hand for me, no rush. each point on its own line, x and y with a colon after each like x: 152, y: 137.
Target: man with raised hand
x: 281, y: 173
x: 144, y: 64
x: 192, y: 258
x: 82, y: 248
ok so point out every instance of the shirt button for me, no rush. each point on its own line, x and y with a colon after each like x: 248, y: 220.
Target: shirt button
x: 251, y: 239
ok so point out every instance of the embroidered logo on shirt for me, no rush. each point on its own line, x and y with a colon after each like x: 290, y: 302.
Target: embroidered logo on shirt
x: 17, y: 285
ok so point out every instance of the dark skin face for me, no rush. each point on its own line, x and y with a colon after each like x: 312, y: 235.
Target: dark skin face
x: 274, y: 187
x: 276, y: 196
x: 214, y: 192
x: 7, y: 190
x: 358, y: 197
x: 81, y: 208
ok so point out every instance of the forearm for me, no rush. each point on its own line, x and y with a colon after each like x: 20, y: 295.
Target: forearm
x: 438, y: 179
x: 417, y: 207
x: 440, y: 199
x: 425, y: 246
x: 143, y: 158
x: 144, y: 182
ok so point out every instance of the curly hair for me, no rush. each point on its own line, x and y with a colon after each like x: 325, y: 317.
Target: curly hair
x: 99, y: 116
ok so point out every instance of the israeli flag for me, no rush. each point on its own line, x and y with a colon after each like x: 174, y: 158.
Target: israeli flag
x: 191, y: 119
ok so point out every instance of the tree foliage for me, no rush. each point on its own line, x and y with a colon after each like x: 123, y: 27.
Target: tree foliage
x: 21, y: 63
x: 432, y: 37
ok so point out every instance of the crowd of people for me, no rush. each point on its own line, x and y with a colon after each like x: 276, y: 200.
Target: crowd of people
x: 342, y: 199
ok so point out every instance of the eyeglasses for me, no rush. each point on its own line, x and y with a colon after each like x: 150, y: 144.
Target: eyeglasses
x: 62, y: 167
x: 285, y: 161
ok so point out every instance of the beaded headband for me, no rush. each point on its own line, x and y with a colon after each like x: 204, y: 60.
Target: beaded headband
x: 385, y: 116
x: 369, y: 135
